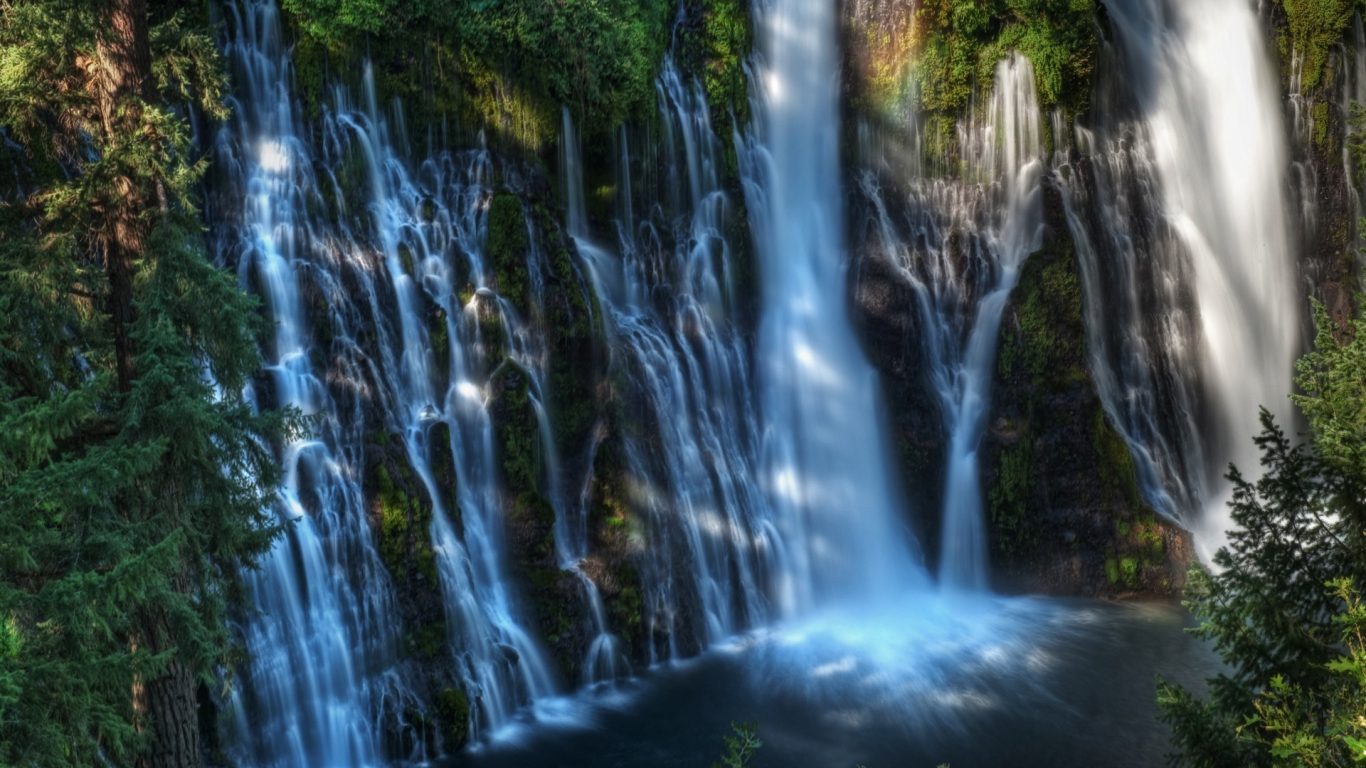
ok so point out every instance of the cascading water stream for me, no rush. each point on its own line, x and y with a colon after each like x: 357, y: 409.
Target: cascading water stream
x: 692, y: 454
x: 825, y: 454
x: 1180, y: 215
x: 419, y: 226
x: 1006, y: 155
x: 358, y: 258
x: 966, y: 242
x: 322, y: 642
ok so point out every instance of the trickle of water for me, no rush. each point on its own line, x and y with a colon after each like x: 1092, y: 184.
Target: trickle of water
x: 961, y: 251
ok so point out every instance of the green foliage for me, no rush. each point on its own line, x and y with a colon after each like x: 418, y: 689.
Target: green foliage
x: 507, y: 248
x: 958, y: 44
x: 1266, y: 610
x: 716, y: 45
x: 1332, y: 383
x: 129, y: 506
x: 1316, y: 27
x: 741, y: 745
x: 506, y: 64
x: 1329, y: 728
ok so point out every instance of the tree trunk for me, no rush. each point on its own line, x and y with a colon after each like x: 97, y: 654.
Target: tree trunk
x: 125, y: 72
x: 169, y: 706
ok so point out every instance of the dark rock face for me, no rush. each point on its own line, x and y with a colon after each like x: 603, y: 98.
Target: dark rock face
x: 1062, y: 498
x: 884, y: 306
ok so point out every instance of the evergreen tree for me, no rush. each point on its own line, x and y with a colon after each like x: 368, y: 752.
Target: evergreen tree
x: 133, y: 476
x: 1280, y: 608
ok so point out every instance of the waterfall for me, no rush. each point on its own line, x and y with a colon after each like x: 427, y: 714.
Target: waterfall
x: 321, y: 642
x: 968, y: 239
x: 1006, y: 158
x: 362, y: 258
x: 690, y: 448
x: 825, y: 453
x: 1178, y: 206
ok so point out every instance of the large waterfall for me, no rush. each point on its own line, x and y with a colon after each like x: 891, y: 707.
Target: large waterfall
x: 1179, y: 210
x: 826, y: 455
x: 748, y: 434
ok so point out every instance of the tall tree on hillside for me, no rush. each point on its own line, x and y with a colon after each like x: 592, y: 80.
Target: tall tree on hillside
x: 133, y: 476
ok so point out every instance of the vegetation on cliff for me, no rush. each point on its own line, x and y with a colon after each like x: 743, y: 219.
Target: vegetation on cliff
x: 954, y: 48
x: 501, y: 65
x: 1313, y: 29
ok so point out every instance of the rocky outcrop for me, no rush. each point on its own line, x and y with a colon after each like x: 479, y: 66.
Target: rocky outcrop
x: 1061, y: 490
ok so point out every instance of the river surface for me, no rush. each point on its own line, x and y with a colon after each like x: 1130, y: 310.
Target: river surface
x: 969, y: 682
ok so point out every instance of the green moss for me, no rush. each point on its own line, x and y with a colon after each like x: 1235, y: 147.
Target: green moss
x: 404, y: 542
x: 574, y: 330
x: 1128, y: 572
x: 1321, y: 124
x: 1009, y: 498
x: 1316, y: 27
x: 507, y: 248
x: 518, y: 434
x: 1118, y: 476
x: 1046, y: 341
x: 1112, y: 570
x: 453, y: 713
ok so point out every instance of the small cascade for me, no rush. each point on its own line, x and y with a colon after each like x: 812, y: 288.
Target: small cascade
x: 825, y: 457
x: 417, y: 226
x: 970, y: 237
x: 690, y: 448
x: 1178, y: 207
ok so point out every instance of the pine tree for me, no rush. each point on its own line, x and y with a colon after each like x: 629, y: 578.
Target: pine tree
x: 133, y: 476
x: 1280, y: 608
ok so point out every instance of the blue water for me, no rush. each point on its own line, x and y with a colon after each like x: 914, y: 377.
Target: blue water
x: 992, y: 682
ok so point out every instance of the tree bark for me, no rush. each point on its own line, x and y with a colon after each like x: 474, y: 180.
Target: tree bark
x: 168, y: 706
x: 125, y: 72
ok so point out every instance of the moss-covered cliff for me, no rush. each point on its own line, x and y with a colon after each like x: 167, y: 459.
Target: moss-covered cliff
x: 1065, y: 512
x: 1311, y: 40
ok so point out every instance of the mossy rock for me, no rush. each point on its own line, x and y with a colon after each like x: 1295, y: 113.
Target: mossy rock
x: 1314, y: 28
x: 403, y: 515
x: 507, y: 249
x: 453, y: 715
x: 517, y: 433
